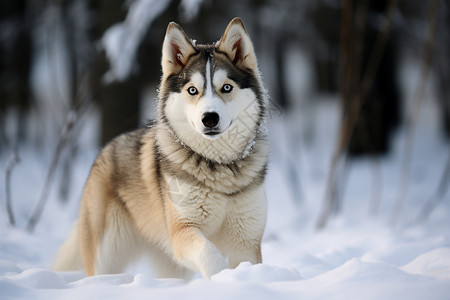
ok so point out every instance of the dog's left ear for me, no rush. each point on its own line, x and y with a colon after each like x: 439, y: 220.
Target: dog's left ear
x: 236, y: 44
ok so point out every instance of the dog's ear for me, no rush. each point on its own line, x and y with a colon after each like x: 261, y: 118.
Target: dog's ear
x: 236, y: 44
x: 176, y: 49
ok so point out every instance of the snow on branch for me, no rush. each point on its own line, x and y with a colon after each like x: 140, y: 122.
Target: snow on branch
x: 189, y: 9
x: 122, y: 40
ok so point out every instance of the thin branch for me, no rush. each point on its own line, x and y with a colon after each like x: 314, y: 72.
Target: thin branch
x: 440, y: 193
x: 331, y: 192
x: 377, y: 180
x: 72, y: 120
x: 410, y: 126
x: 13, y: 161
x: 51, y: 172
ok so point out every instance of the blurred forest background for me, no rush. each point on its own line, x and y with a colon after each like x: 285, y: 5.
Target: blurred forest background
x: 64, y: 62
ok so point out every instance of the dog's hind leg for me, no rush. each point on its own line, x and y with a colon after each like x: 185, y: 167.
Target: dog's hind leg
x: 120, y: 244
x: 68, y: 256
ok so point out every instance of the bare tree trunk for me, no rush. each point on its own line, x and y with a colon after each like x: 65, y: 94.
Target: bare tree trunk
x: 280, y: 73
x: 119, y: 101
x: 72, y: 47
x: 443, y: 70
x: 15, y: 66
x: 354, y: 94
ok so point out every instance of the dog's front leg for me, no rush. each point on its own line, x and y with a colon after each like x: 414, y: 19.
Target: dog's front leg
x: 193, y: 250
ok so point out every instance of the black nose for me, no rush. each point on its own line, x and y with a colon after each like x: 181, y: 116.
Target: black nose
x: 210, y: 119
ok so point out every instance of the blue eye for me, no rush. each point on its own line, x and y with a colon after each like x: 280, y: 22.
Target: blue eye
x: 192, y: 91
x: 226, y: 88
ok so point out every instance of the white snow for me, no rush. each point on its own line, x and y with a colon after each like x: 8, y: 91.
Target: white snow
x: 355, y: 257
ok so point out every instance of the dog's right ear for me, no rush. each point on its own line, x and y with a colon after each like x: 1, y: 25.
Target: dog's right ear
x: 176, y: 49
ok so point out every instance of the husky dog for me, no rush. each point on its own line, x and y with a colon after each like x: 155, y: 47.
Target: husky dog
x: 188, y: 190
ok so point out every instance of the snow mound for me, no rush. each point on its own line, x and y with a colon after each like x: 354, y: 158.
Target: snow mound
x: 109, y: 279
x: 361, y: 271
x: 39, y: 278
x: 7, y: 268
x: 435, y: 263
x: 246, y: 272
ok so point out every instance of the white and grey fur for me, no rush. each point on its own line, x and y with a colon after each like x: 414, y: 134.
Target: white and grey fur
x: 188, y: 190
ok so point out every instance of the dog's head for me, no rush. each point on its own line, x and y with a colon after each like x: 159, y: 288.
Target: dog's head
x: 211, y: 96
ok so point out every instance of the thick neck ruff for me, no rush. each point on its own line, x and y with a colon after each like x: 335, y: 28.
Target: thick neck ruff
x: 181, y: 161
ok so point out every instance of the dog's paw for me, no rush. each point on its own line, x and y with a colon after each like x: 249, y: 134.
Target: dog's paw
x: 213, y: 268
x: 212, y: 262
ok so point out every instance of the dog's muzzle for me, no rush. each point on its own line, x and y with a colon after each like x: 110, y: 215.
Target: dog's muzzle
x: 210, y: 121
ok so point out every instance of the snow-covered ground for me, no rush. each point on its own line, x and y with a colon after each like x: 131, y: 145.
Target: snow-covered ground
x: 357, y: 256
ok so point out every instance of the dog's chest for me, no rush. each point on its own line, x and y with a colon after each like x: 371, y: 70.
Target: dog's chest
x: 197, y: 205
